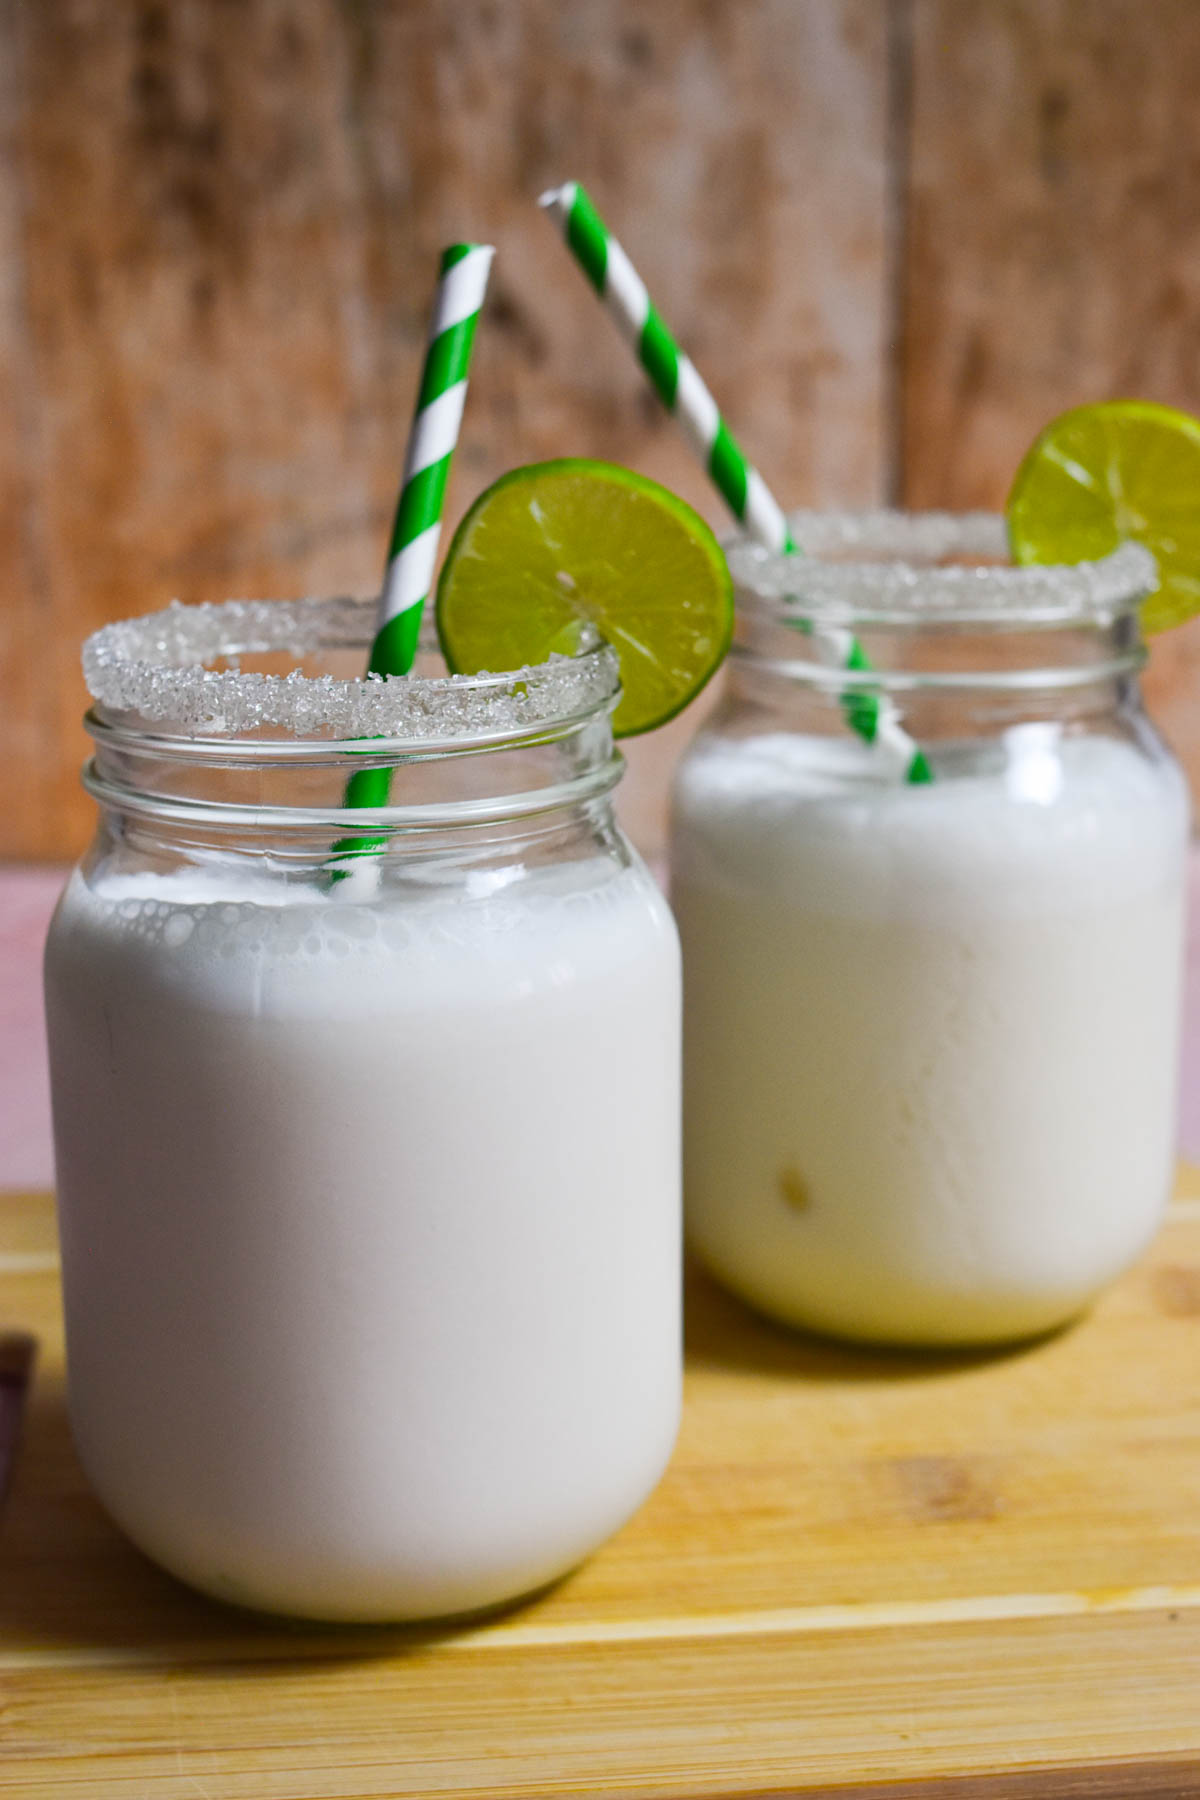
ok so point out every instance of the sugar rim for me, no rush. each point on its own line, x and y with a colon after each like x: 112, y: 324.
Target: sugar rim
x: 154, y: 667
x: 908, y: 590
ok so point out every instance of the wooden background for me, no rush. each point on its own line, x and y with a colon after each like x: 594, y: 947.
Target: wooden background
x: 896, y: 234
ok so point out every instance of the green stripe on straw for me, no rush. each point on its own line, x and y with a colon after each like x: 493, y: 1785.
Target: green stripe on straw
x: 729, y: 470
x: 412, y: 551
x: 660, y: 359
x: 677, y: 383
x: 588, y: 238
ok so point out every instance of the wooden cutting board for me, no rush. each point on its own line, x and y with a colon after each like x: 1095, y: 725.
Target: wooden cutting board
x: 979, y: 1575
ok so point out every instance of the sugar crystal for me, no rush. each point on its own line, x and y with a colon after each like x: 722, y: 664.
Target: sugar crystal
x: 155, y: 667
x: 894, y: 567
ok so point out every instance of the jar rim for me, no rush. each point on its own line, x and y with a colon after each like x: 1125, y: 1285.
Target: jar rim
x: 154, y: 667
x: 892, y: 568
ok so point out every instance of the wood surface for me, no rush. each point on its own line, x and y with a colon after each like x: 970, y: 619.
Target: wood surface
x: 218, y: 225
x: 968, y: 1575
x: 896, y: 234
x: 1052, y: 233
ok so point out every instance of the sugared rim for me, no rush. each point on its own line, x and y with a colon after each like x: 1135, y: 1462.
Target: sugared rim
x: 889, y: 568
x: 155, y: 667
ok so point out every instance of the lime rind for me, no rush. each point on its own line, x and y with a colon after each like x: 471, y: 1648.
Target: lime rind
x: 556, y: 553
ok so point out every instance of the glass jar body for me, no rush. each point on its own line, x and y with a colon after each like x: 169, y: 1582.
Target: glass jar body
x: 931, y: 1030
x: 369, y: 1200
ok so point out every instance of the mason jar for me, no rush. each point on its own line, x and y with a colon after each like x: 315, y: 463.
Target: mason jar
x: 932, y: 914
x: 367, y: 1146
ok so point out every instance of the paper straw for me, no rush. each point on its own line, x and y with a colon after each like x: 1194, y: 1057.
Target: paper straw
x: 412, y: 555
x: 677, y: 383
x: 412, y: 552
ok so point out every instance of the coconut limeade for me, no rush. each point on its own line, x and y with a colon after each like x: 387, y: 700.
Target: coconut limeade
x: 883, y: 1048
x: 931, y: 1030
x: 399, y: 1335
x: 370, y: 1206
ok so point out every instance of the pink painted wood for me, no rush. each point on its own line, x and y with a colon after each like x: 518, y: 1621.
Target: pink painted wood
x: 27, y: 897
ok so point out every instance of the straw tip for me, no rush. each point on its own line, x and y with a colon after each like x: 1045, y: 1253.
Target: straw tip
x: 559, y: 199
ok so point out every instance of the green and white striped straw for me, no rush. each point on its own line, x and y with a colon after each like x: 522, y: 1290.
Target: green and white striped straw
x: 677, y: 383
x: 412, y: 553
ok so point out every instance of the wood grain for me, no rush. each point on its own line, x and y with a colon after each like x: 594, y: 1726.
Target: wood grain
x: 218, y: 222
x: 896, y: 234
x: 1053, y: 252
x: 976, y: 1573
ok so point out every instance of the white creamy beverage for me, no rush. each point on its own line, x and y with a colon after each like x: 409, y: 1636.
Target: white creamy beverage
x: 370, y: 1224
x: 930, y: 1032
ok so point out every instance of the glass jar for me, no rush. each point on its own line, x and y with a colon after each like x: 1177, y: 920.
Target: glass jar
x: 930, y: 1028
x: 368, y: 1188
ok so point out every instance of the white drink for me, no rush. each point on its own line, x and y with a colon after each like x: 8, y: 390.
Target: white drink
x: 370, y: 1226
x: 930, y: 1034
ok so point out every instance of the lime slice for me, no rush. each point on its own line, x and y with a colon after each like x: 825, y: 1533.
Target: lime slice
x: 557, y: 551
x: 1101, y: 474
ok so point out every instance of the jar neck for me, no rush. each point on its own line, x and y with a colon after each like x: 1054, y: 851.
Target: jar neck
x: 923, y: 609
x: 285, y: 797
x: 940, y: 674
